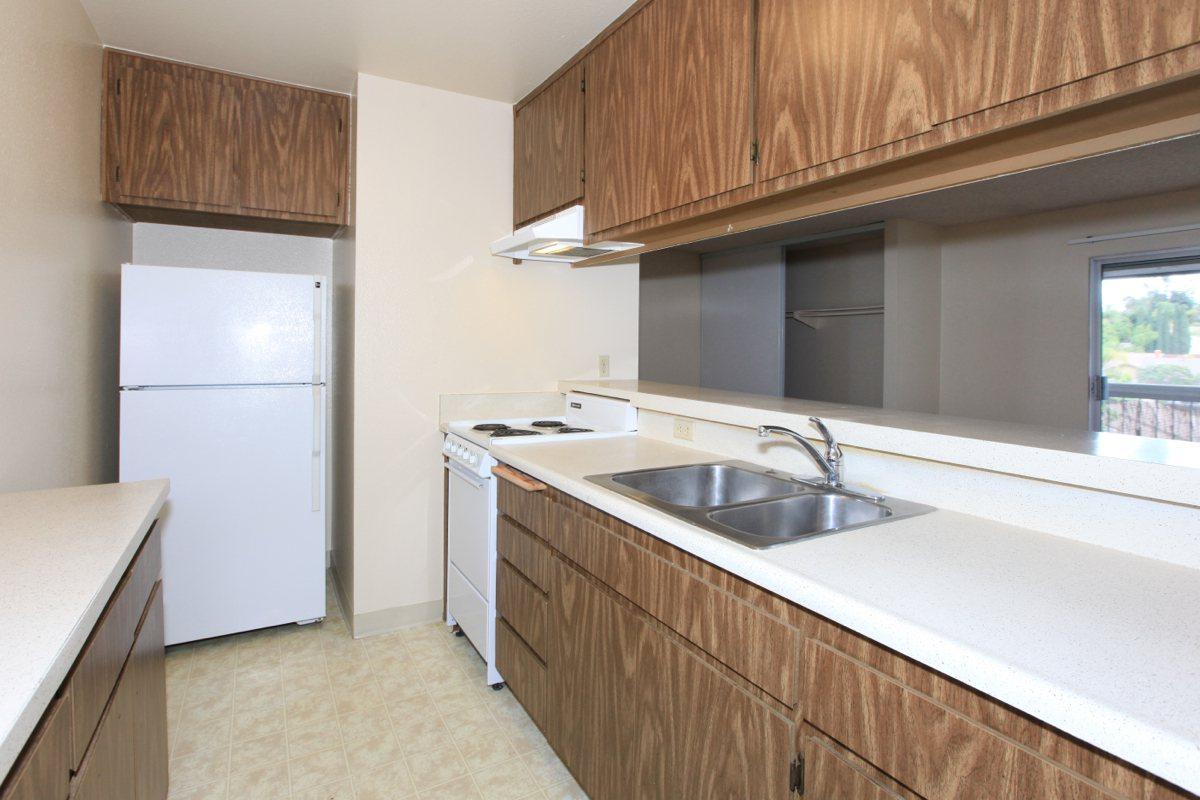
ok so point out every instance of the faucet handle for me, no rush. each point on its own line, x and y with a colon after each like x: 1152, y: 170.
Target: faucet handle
x: 832, y: 449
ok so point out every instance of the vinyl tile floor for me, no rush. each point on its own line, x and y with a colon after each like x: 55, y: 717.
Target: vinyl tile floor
x: 308, y: 713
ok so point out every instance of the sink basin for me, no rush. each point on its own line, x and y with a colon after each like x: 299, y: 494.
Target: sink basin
x: 801, y: 516
x: 753, y: 505
x: 705, y: 485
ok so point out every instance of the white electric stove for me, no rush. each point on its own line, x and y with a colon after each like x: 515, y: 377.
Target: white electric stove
x: 471, y: 507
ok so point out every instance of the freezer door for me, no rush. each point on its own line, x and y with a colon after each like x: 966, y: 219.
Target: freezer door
x: 244, y: 524
x: 207, y: 327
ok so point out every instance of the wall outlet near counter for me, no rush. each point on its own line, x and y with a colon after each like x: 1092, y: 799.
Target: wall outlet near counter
x: 604, y: 366
x: 683, y: 428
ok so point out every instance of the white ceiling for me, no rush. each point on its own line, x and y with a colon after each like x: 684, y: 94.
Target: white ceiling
x: 498, y: 49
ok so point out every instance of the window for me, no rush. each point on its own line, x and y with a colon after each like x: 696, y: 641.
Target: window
x: 1146, y: 346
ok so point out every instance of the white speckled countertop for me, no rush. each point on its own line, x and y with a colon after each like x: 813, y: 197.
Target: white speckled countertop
x: 64, y: 550
x: 1101, y: 644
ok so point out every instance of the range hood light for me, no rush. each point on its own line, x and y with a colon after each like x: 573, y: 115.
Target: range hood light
x: 552, y: 249
x: 556, y: 238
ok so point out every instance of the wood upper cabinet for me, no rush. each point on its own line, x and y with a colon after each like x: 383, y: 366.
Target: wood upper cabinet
x: 175, y: 140
x: 292, y: 146
x: 669, y: 109
x: 996, y: 51
x: 183, y: 142
x: 548, y: 149
x: 836, y: 77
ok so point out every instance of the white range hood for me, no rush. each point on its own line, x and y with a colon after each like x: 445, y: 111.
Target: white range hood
x: 556, y: 238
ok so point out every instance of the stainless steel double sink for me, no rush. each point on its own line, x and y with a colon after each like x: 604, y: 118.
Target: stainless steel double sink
x: 753, y: 505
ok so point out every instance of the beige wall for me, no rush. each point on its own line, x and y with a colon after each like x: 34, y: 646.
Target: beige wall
x: 61, y: 251
x: 434, y: 188
x: 1016, y: 308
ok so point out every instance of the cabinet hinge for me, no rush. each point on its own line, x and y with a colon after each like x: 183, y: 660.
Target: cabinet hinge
x: 797, y: 775
x: 118, y: 87
x: 338, y: 203
x: 754, y: 152
x: 583, y: 176
x: 583, y: 84
x: 339, y: 124
x: 118, y: 173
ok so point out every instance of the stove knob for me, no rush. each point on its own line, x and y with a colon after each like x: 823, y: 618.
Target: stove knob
x: 472, y: 458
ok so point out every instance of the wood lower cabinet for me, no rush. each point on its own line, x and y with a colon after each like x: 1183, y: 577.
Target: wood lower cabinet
x: 195, y: 146
x: 664, y: 676
x: 548, y: 149
x: 105, y: 736
x: 985, y: 53
x: 44, y: 772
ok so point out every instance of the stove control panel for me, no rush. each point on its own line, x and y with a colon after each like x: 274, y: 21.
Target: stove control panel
x: 469, y: 455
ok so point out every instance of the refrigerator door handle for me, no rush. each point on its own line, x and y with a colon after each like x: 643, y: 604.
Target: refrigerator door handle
x: 316, y: 449
x: 318, y: 332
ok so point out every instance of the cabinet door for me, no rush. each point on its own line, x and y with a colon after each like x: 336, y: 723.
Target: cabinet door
x: 108, y: 770
x: 548, y: 149
x: 293, y: 151
x: 837, y: 77
x: 176, y: 137
x: 996, y: 51
x: 642, y: 717
x: 43, y: 771
x: 669, y: 109
x: 148, y: 675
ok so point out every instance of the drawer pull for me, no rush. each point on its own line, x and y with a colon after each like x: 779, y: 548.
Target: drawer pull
x: 518, y: 479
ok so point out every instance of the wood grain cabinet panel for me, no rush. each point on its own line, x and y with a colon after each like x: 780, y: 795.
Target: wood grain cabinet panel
x: 177, y: 138
x: 523, y: 672
x: 668, y: 108
x: 830, y: 772
x: 642, y: 717
x: 194, y: 146
x: 524, y: 551
x: 836, y: 77
x: 292, y: 144
x: 94, y: 675
x: 109, y: 771
x: 763, y: 650
x: 923, y: 744
x: 148, y: 674
x: 523, y: 606
x: 548, y: 135
x: 996, y: 51
x: 531, y: 509
x: 43, y: 772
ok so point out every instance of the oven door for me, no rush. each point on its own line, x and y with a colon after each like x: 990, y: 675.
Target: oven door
x: 471, y: 527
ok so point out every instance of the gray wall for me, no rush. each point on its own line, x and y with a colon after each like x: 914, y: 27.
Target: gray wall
x: 912, y: 326
x: 669, y: 318
x: 841, y: 361
x: 1016, y: 310
x: 741, y: 320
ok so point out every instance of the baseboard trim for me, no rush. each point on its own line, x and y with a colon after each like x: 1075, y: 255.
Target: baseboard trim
x: 388, y: 620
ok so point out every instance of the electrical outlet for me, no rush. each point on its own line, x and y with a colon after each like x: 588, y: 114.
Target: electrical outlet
x: 603, y: 366
x: 683, y: 428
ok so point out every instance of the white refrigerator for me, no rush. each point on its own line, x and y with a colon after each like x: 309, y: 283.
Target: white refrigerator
x: 223, y: 392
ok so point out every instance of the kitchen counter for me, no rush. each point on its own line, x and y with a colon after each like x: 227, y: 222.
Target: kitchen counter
x: 1101, y: 644
x: 65, y: 550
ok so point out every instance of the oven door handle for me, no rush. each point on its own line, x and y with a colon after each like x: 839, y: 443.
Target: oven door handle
x: 470, y: 477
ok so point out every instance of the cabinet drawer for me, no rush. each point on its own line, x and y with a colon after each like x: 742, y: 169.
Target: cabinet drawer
x: 532, y: 509
x: 95, y: 673
x: 523, y: 606
x: 522, y: 671
x: 924, y: 745
x: 43, y: 772
x: 108, y: 771
x: 760, y: 648
x: 524, y: 551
